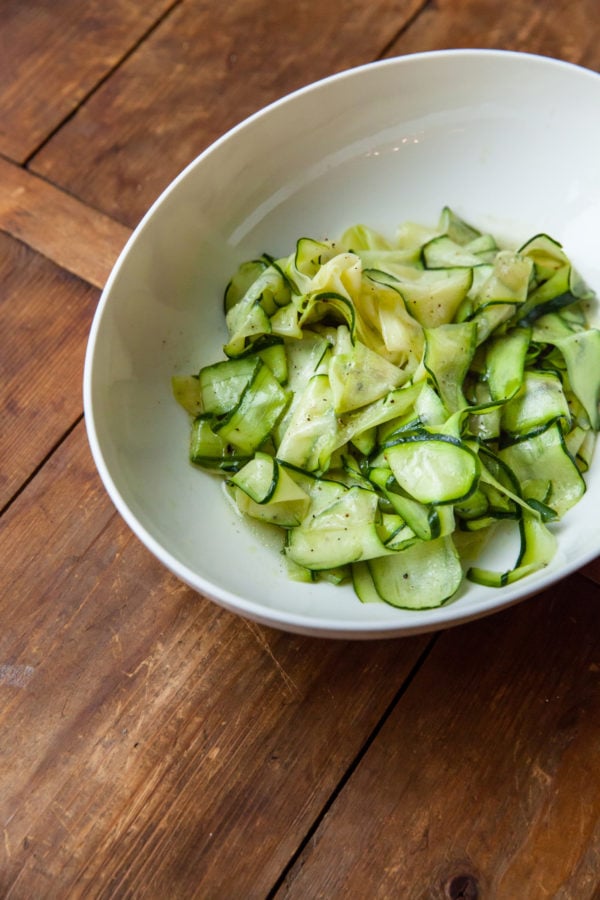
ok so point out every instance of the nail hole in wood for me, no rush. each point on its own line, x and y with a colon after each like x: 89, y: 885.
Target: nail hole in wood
x: 462, y: 887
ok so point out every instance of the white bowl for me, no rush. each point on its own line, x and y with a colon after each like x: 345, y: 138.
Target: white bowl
x: 510, y: 141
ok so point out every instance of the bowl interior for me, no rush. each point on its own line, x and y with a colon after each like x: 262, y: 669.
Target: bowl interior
x: 510, y: 141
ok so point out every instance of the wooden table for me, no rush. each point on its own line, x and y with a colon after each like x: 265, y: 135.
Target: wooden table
x: 153, y: 745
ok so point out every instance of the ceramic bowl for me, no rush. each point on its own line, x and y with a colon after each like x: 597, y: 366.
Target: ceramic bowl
x: 509, y: 141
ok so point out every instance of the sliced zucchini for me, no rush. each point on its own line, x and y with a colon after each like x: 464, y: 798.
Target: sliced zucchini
x: 383, y: 397
x: 362, y: 582
x: 209, y: 451
x: 432, y: 297
x: 248, y: 322
x: 426, y: 520
x: 505, y: 362
x: 259, y: 478
x: 444, y: 253
x: 538, y: 546
x: 539, y: 400
x: 423, y: 576
x: 242, y: 281
x: 342, y: 533
x: 265, y: 490
x: 222, y: 384
x: 455, y: 227
x: 562, y: 289
x: 581, y: 352
x: 188, y: 393
x: 546, y: 452
x: 310, y: 435
x: 254, y: 417
x: 449, y: 351
x: 395, y: 404
x: 311, y: 255
x: 358, y: 376
x: 362, y: 237
x: 434, y: 468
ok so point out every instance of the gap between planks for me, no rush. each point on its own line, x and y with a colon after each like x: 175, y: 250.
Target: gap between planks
x: 73, y: 235
x: 335, y: 793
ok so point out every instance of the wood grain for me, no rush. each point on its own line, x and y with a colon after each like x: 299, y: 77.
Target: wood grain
x: 592, y: 570
x: 557, y: 28
x: 74, y: 236
x: 205, y: 68
x: 46, y: 314
x: 485, y: 780
x: 152, y: 744
x: 53, y: 54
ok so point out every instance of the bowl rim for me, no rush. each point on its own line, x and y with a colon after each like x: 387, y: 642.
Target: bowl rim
x: 426, y: 621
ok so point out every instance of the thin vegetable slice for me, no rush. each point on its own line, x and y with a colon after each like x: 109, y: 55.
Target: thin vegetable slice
x: 434, y: 468
x: 423, y: 576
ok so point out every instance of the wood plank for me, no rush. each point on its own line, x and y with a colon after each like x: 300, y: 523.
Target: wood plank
x: 52, y: 54
x: 152, y: 744
x: 76, y: 237
x: 592, y: 570
x: 209, y: 65
x: 46, y: 315
x: 557, y: 29
x: 485, y: 780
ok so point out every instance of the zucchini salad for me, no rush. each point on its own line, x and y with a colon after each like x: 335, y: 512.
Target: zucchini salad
x: 387, y: 403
